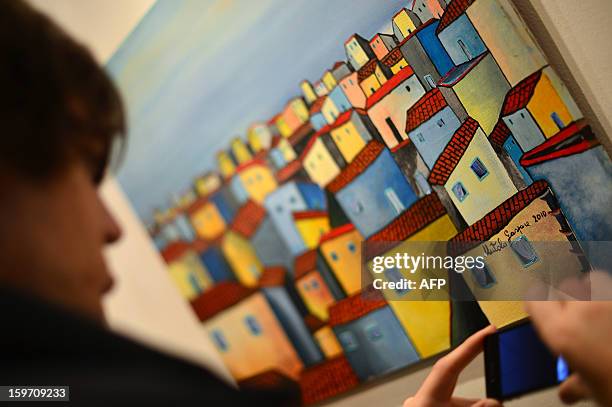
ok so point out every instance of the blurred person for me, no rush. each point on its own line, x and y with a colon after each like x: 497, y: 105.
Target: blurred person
x: 60, y: 115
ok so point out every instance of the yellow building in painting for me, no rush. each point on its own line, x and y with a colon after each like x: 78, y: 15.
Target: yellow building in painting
x: 311, y: 225
x: 537, y: 108
x: 341, y: 249
x: 246, y: 332
x: 207, y: 183
x: 206, y: 219
x: 318, y: 162
x: 226, y: 164
x: 186, y: 270
x: 481, y: 88
x: 240, y: 150
x: 308, y: 91
x: 472, y: 173
x: 350, y: 133
x: 515, y: 255
x: 311, y: 286
x: 423, y: 228
x: 242, y: 258
x: 328, y: 80
x: 328, y: 342
x: 259, y: 137
x: 257, y: 180
x: 404, y: 22
x: 371, y: 77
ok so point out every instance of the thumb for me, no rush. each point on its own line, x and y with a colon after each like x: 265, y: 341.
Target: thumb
x: 573, y: 389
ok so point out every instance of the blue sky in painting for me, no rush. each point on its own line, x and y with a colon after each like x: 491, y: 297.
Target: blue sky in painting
x: 196, y: 73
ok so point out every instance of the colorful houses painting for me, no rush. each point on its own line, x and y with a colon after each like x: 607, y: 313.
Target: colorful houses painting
x: 435, y: 125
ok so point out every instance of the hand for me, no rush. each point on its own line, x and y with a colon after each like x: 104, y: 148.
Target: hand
x: 437, y: 389
x: 581, y: 332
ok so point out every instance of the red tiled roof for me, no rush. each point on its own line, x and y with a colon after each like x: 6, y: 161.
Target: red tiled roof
x: 288, y: 171
x: 273, y: 276
x: 452, y: 12
x: 313, y: 323
x: 317, y: 105
x: 388, y: 86
x: 249, y: 217
x: 327, y: 379
x: 361, y: 161
x: 519, y: 96
x: 218, y: 298
x: 419, y: 215
x: 175, y: 251
x: 453, y: 152
x: 305, y: 262
x: 356, y: 306
x: 275, y: 140
x: 500, y: 134
x: 309, y: 214
x: 367, y: 70
x: 270, y: 380
x: 251, y: 163
x: 392, y: 57
x: 427, y: 106
x: 494, y: 221
x: 339, y: 231
x: 196, y: 205
x: 298, y: 135
x: 555, y: 147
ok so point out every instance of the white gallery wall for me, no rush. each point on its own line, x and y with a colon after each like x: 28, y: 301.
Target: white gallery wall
x: 146, y: 306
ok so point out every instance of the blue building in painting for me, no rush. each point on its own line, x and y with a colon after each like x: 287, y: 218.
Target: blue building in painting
x: 292, y: 197
x: 372, y: 190
x: 432, y: 46
x: 430, y: 124
x: 218, y: 268
x: 370, y: 335
x: 340, y: 100
x: 459, y: 38
x: 226, y: 203
x: 579, y: 172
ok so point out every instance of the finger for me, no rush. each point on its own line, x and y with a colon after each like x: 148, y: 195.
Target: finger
x: 463, y: 402
x: 546, y: 317
x: 441, y: 382
x: 573, y: 389
x: 487, y: 403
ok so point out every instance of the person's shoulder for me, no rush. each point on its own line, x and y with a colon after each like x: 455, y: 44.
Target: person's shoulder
x: 42, y: 344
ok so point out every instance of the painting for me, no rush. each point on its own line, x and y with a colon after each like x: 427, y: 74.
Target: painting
x: 271, y: 142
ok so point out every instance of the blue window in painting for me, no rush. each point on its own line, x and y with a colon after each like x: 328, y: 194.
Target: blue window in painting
x: 460, y: 192
x: 348, y: 341
x: 557, y: 119
x: 524, y: 250
x: 479, y: 168
x: 195, y: 284
x: 483, y: 276
x: 334, y: 256
x: 394, y: 200
x: 352, y: 248
x: 373, y: 332
x: 219, y: 340
x: 253, y: 325
x: 394, y: 275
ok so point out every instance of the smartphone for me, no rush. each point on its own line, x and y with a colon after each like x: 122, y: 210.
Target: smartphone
x: 517, y: 362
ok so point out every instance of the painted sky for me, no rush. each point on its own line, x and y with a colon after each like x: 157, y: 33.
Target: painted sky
x: 196, y: 73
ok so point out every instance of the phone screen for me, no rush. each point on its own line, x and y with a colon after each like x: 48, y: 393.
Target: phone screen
x: 517, y: 362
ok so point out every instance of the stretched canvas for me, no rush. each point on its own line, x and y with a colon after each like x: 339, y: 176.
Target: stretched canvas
x: 270, y: 141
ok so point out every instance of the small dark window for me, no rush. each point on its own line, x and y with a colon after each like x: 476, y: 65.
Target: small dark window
x: 352, y: 248
x: 334, y: 256
x: 524, y: 250
x: 483, y: 276
x: 373, y: 332
x: 219, y: 340
x: 479, y: 168
x: 440, y: 122
x: 460, y: 192
x: 408, y: 88
x: 348, y: 341
x: 253, y: 325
